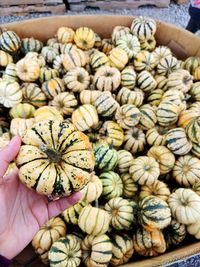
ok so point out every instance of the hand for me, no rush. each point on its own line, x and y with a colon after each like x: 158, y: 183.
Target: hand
x: 22, y: 210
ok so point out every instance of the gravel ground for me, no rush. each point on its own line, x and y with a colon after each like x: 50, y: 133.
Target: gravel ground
x: 174, y: 14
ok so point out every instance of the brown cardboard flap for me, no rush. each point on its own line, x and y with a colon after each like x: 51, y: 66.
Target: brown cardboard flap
x: 177, y: 49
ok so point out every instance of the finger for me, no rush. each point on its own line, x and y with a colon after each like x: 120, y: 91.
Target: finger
x: 56, y: 207
x: 8, y: 154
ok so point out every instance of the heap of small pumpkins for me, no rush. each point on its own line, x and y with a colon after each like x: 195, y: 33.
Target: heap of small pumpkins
x: 117, y: 118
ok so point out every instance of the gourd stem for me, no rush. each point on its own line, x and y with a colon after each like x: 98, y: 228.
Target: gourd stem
x: 52, y: 154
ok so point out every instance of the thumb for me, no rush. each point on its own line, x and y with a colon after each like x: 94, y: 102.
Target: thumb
x: 8, y: 154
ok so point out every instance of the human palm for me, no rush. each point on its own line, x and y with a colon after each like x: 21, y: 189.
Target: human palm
x: 22, y: 210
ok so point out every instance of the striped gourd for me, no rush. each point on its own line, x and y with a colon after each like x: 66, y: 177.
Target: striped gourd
x: 98, y: 41
x: 175, y: 233
x: 161, y: 81
x: 177, y: 141
x: 10, y: 93
x: 130, y: 188
x: 121, y: 212
x: 144, y: 60
x: 107, y: 79
x: 112, y: 133
x: 69, y: 250
x: 167, y: 113
x: 148, y: 44
x: 85, y: 117
x: 65, y: 103
x: 130, y: 44
x: 53, y: 87
x: 36, y: 57
x: 186, y: 170
x: 77, y: 79
x: 10, y: 73
x: 58, y: 64
x: 161, y: 52
x: 145, y: 81
x: 126, y: 96
x: 49, y: 53
x: 128, y: 77
x: 48, y: 233
x: 122, y: 249
x: 93, y: 190
x: 67, y: 48
x: 28, y: 70
x: 144, y: 170
x: 185, y: 205
x: 156, y: 136
x: 47, y: 74
x: 107, y: 45
x: 154, y: 213
x: 65, y: 35
x: 106, y: 158
x: 94, y: 221
x: 96, y: 251
x: 134, y: 140
x: 47, y: 113
x: 10, y: 41
x: 32, y: 94
x: 125, y: 159
x: 18, y: 126
x: 164, y: 157
x: 195, y: 91
x: 105, y: 104
x: 196, y: 149
x: 143, y: 27
x: 98, y: 59
x: 148, y: 117
x: 84, y: 38
x: 127, y: 116
x: 22, y: 111
x: 195, y: 106
x: 72, y: 59
x: 175, y: 96
x: 158, y: 189
x: 118, y: 58
x: 71, y: 214
x: 30, y: 45
x: 191, y: 63
x: 5, y: 58
x: 112, y: 184
x: 167, y: 65
x: 180, y: 80
x: 118, y: 32
x: 57, y: 46
x: 194, y: 229
x: 149, y: 243
x: 155, y: 97
x: 89, y: 96
x: 193, y: 130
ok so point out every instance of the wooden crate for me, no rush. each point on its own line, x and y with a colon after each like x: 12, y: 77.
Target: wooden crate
x: 80, y: 5
x: 15, y: 7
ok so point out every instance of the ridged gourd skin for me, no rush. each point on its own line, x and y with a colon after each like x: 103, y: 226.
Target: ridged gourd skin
x: 24, y: 111
x: 121, y: 212
x: 36, y: 57
x: 144, y: 61
x: 84, y: 38
x: 156, y: 136
x: 160, y: 52
x: 49, y: 232
x: 106, y: 158
x: 98, y: 59
x: 175, y: 233
x: 19, y: 126
x: 107, y: 45
x: 112, y: 185
x: 126, y: 96
x: 71, y: 215
x: 143, y: 27
x: 155, y: 97
x: 53, y: 87
x: 134, y: 140
x: 181, y: 80
x: 96, y: 251
x: 146, y: 81
x: 94, y: 221
x: 130, y: 188
x: 191, y: 63
x: 195, y: 91
x: 167, y: 65
x: 5, y: 58
x: 127, y: 116
x: 144, y: 170
x: 196, y: 150
x: 186, y: 170
x: 112, y: 133
x: 47, y: 113
x: 148, y: 44
x: 194, y: 229
x: 30, y: 45
x: 85, y: 117
x: 49, y: 53
x: 148, y: 117
x: 164, y: 157
x: 128, y: 77
x: 28, y: 70
x: 149, y: 243
x: 130, y: 44
x: 186, y: 116
x: 167, y: 113
x: 125, y: 159
x: 89, y: 96
x: 65, y: 35
x: 193, y: 129
x: 105, y: 104
x: 69, y: 250
x: 10, y: 93
x: 47, y: 73
x: 9, y: 41
x: 10, y: 73
x: 154, y: 213
x: 122, y: 249
x: 58, y: 151
x: 118, y: 58
x: 158, y: 189
x: 118, y: 32
x: 70, y: 60
x: 185, y: 205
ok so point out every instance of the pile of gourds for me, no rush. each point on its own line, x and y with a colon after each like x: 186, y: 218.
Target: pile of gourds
x: 118, y: 119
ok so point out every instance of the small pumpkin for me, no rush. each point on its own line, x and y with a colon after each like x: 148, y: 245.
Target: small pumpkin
x: 167, y: 65
x: 121, y: 212
x: 65, y: 35
x: 53, y: 87
x: 126, y: 96
x: 49, y: 53
x: 107, y: 45
x: 10, y: 73
x: 10, y: 93
x: 127, y: 116
x: 148, y: 44
x: 144, y: 60
x: 99, y: 59
x: 5, y: 58
x: 94, y: 221
x: 186, y: 116
x: 128, y: 77
x: 161, y: 52
x: 143, y: 27
x: 175, y: 233
x: 47, y: 73
x: 30, y: 45
x: 28, y: 70
x: 134, y: 140
x: 161, y: 81
x: 24, y: 111
x: 167, y: 113
x: 155, y: 97
x: 118, y: 32
x: 47, y: 113
x: 57, y: 154
x: 145, y: 81
x: 84, y: 38
x: 105, y: 104
x: 130, y: 44
x: 112, y: 185
x: 156, y: 136
x: 193, y: 130
x: 89, y: 96
x: 125, y: 159
x: 71, y: 59
x: 69, y: 248
x: 36, y: 57
x: 118, y: 58
x: 180, y: 80
x: 148, y: 117
x: 71, y: 215
x: 185, y: 204
x: 130, y: 188
x: 10, y: 41
x: 191, y: 63
x: 194, y: 229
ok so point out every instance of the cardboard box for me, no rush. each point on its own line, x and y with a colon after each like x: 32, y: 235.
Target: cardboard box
x: 182, y: 43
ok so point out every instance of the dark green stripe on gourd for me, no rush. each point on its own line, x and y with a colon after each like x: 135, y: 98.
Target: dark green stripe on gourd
x: 112, y: 184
